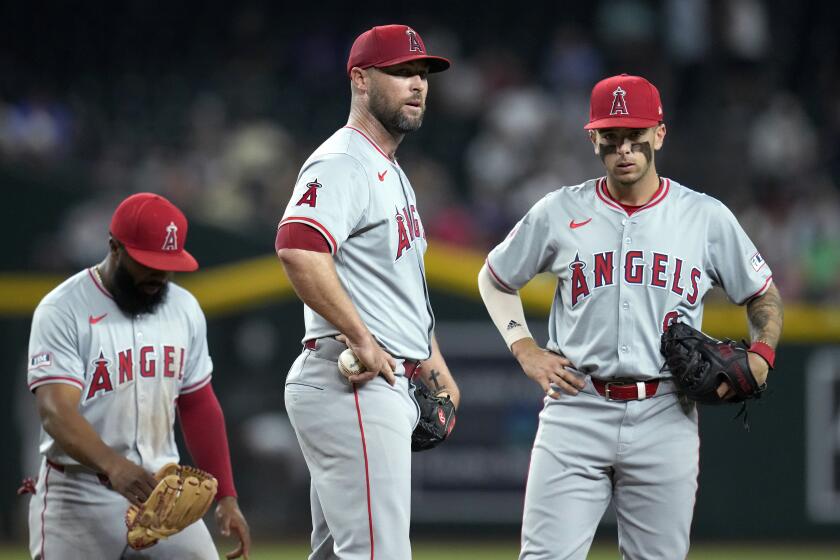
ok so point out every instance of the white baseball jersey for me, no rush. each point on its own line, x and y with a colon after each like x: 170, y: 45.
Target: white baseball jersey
x: 130, y: 371
x: 363, y: 204
x: 622, y: 278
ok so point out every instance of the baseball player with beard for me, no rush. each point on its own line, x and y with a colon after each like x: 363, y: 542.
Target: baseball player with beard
x: 352, y: 243
x: 115, y: 352
x: 632, y: 253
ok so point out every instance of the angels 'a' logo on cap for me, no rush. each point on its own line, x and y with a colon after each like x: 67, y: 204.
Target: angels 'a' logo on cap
x: 619, y: 104
x: 171, y: 241
x: 413, y: 43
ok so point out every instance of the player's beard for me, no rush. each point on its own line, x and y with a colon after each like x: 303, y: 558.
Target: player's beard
x: 393, y: 118
x: 130, y: 298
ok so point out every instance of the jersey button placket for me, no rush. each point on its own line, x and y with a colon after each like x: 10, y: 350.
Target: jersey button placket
x: 625, y: 319
x: 139, y: 399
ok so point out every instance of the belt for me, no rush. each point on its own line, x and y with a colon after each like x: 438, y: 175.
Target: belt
x: 79, y: 468
x: 412, y: 368
x: 626, y: 390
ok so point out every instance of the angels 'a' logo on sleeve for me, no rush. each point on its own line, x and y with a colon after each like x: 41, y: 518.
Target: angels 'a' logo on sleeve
x: 757, y: 261
x: 310, y: 197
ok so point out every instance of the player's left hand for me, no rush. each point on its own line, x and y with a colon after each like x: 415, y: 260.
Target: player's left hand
x: 759, y: 369
x: 229, y: 518
x: 546, y: 368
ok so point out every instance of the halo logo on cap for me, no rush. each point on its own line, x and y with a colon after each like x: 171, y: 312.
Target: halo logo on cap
x: 171, y: 241
x: 619, y: 105
x: 413, y: 43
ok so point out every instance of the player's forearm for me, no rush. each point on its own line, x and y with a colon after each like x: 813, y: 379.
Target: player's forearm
x: 436, y: 375
x: 73, y: 434
x: 314, y: 279
x: 505, y: 309
x: 766, y: 315
x: 203, y: 426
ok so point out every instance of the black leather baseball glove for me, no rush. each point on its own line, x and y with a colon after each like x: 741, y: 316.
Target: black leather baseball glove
x: 699, y: 364
x: 437, y: 418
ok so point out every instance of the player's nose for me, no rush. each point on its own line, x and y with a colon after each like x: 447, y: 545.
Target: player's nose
x: 625, y: 146
x: 416, y: 83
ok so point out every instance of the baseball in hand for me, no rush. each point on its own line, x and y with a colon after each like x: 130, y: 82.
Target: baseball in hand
x: 349, y: 364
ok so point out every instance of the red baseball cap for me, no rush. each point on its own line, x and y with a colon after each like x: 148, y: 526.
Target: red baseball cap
x: 153, y: 232
x: 387, y: 45
x: 624, y: 101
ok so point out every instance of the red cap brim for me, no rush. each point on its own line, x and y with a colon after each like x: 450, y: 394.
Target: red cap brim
x: 180, y: 261
x: 621, y: 122
x: 436, y: 63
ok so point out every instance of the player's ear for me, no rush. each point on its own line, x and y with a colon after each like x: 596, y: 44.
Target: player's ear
x: 593, y: 137
x: 359, y: 79
x: 113, y: 246
x: 659, y: 136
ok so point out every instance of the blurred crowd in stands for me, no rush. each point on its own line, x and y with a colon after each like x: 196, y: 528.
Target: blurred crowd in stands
x: 217, y: 106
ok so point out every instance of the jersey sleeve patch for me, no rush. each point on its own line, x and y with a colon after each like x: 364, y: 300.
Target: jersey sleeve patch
x: 757, y: 262
x: 42, y: 359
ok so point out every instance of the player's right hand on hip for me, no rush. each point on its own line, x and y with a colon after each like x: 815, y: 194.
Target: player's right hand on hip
x: 546, y: 368
x: 376, y: 360
x: 131, y: 480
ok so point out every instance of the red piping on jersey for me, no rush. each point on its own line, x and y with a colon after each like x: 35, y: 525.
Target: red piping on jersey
x: 496, y: 277
x: 367, y: 473
x: 658, y: 196
x: 97, y: 284
x: 195, y: 386
x: 44, y: 511
x: 372, y: 143
x: 760, y: 290
x: 55, y: 378
x: 312, y: 223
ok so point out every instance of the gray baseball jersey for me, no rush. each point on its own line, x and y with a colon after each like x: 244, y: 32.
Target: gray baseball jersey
x: 363, y: 204
x: 130, y: 373
x: 622, y: 278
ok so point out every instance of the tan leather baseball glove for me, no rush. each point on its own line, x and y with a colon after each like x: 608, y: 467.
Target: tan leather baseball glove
x: 182, y: 496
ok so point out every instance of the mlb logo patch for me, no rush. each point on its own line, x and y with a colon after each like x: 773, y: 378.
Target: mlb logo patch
x: 40, y: 360
x: 757, y: 262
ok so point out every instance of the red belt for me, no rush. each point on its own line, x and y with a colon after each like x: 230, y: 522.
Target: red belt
x: 625, y: 390
x: 412, y: 369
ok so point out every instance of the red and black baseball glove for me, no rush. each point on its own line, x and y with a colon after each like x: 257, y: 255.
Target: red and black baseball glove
x: 437, y: 418
x: 700, y: 363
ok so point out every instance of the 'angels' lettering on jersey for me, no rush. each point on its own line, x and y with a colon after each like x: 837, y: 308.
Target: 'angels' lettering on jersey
x: 408, y: 229
x: 153, y: 362
x: 641, y: 268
